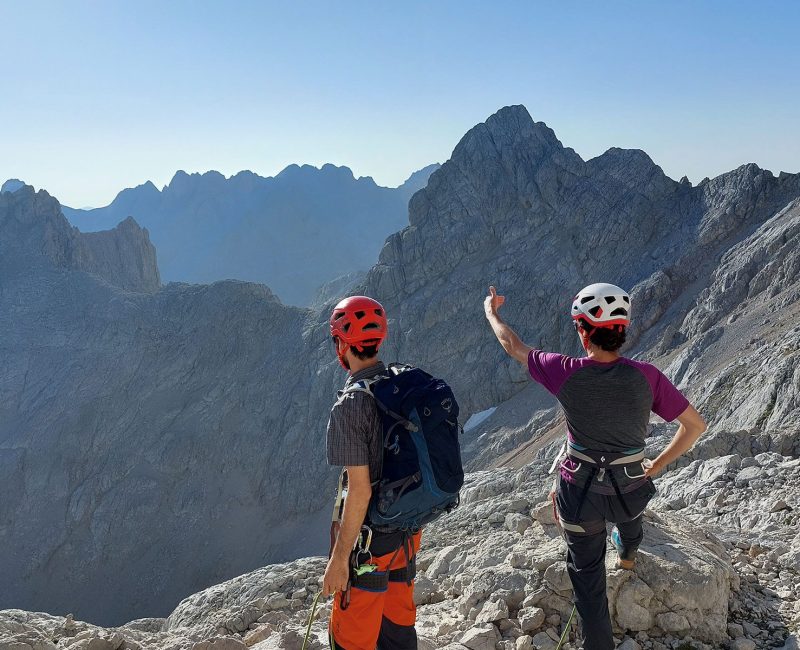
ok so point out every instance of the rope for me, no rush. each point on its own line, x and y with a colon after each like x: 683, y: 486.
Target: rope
x: 311, y: 619
x: 566, y: 629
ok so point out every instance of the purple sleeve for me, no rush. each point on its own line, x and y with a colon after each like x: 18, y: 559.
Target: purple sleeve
x: 549, y: 369
x: 668, y: 401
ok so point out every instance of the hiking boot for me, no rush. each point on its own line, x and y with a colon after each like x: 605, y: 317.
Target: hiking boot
x: 625, y: 559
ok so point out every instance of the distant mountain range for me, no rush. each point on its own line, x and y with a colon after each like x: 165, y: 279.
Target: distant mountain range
x: 295, y: 231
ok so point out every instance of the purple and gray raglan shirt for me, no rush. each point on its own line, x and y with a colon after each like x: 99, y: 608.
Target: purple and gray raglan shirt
x: 607, y: 405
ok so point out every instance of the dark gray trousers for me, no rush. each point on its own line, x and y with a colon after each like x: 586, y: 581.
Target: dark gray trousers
x: 586, y: 549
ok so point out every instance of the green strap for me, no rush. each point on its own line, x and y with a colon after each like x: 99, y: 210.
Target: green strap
x: 565, y: 632
x: 311, y: 618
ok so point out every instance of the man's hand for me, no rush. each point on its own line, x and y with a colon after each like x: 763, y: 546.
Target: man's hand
x: 337, y: 574
x: 493, y: 302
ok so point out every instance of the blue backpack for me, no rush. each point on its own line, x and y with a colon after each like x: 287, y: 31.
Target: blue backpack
x: 421, y: 473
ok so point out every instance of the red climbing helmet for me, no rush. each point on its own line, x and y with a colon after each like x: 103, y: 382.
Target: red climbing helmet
x: 359, y: 321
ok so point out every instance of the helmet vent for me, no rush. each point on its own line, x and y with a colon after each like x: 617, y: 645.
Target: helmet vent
x: 360, y: 314
x: 619, y: 311
x: 626, y: 299
x: 586, y: 299
x: 610, y: 299
x: 379, y: 312
x: 371, y: 326
x: 594, y: 311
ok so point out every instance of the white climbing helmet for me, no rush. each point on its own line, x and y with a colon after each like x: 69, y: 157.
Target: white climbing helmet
x: 602, y: 305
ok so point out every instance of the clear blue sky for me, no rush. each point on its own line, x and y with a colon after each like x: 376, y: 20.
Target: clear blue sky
x: 98, y: 96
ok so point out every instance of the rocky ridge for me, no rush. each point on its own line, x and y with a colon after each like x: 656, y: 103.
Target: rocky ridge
x: 36, y: 234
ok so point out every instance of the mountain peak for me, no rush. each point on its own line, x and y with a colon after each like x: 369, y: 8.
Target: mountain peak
x: 12, y: 185
x: 328, y: 170
x: 510, y: 133
x: 182, y: 180
x: 632, y: 167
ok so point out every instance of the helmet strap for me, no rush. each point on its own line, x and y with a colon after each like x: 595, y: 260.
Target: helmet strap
x: 340, y: 353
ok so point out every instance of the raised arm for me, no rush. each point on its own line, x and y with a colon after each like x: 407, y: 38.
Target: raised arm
x: 507, y: 337
x: 692, y: 426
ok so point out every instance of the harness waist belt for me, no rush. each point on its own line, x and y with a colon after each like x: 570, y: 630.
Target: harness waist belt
x: 379, y: 580
x: 605, y: 458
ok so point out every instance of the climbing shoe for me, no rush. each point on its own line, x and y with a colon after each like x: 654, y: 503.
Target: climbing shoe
x: 625, y: 559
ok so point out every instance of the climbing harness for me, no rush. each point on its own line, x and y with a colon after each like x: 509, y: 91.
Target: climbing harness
x: 565, y: 633
x: 311, y: 619
x: 365, y: 576
x: 601, y: 464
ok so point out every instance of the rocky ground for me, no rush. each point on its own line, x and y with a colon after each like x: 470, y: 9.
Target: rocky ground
x: 719, y: 569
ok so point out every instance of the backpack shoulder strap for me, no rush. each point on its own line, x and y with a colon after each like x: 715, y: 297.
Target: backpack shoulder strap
x: 366, y: 386
x: 363, y: 386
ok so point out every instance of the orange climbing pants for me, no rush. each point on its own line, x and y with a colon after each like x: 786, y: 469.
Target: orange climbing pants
x: 372, y: 617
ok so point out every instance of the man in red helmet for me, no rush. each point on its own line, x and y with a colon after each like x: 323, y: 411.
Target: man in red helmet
x: 370, y: 573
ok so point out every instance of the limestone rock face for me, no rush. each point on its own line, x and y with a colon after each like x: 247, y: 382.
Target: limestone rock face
x: 36, y: 234
x: 142, y: 426
x: 514, y: 208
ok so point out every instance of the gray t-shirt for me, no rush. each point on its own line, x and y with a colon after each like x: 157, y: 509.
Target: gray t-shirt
x: 607, y: 405
x: 355, y: 431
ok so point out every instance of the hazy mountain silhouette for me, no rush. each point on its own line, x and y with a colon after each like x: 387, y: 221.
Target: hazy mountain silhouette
x: 295, y: 231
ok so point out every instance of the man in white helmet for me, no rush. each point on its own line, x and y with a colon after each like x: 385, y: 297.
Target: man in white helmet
x: 607, y: 400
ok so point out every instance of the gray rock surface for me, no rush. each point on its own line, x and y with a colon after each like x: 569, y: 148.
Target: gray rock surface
x: 514, y: 208
x: 142, y: 427
x: 36, y: 236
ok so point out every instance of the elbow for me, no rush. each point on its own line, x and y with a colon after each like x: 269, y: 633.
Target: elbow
x: 701, y: 428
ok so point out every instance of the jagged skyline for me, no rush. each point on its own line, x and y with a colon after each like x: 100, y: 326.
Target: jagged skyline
x: 105, y: 97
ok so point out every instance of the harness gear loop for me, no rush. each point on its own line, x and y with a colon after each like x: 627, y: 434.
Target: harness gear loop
x: 368, y: 578
x: 557, y: 459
